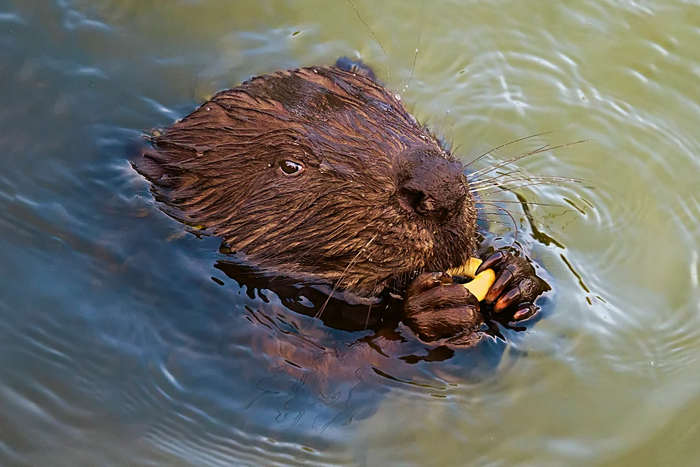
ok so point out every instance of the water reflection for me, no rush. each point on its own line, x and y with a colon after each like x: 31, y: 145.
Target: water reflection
x: 374, y: 328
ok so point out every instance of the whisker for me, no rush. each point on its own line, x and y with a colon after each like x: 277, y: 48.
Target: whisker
x: 386, y: 56
x: 493, y: 213
x: 502, y: 178
x: 522, y: 185
x: 494, y: 221
x: 504, y: 145
x: 368, y: 313
x: 528, y: 177
x: 343, y: 275
x: 498, y: 165
x: 528, y: 215
x: 499, y: 176
x: 534, y: 203
x: 403, y: 88
x: 539, y: 150
x: 522, y: 182
x: 515, y: 224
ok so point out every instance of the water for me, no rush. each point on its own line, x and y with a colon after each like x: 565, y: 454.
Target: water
x: 119, y: 345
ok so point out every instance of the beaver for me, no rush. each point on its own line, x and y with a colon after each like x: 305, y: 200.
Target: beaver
x: 320, y: 174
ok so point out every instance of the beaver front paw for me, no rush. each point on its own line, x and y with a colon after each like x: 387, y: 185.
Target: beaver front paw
x: 435, y: 309
x: 516, y: 285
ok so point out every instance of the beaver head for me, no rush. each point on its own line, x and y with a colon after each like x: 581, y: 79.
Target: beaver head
x: 317, y: 173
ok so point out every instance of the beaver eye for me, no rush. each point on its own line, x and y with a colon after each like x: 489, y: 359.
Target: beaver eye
x: 291, y: 167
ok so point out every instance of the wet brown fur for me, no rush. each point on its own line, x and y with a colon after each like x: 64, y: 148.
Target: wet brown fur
x: 348, y: 219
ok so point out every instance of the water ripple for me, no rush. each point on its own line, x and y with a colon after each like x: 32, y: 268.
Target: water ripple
x: 123, y: 344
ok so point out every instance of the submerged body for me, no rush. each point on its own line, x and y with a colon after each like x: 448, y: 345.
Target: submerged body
x: 321, y: 174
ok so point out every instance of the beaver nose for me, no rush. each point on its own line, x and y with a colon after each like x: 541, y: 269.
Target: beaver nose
x: 432, y: 186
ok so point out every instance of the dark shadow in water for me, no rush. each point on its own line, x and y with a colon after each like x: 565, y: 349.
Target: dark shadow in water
x: 376, y: 328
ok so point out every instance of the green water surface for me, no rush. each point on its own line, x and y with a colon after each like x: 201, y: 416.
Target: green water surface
x: 117, y: 348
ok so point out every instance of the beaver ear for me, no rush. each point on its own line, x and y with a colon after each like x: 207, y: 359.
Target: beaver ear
x: 355, y: 66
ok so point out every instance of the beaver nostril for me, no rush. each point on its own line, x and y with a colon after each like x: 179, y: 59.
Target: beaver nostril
x: 415, y: 201
x: 412, y: 201
x: 425, y: 206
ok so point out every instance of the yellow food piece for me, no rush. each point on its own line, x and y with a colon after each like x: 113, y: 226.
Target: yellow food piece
x: 193, y: 225
x: 481, y: 284
x: 467, y: 269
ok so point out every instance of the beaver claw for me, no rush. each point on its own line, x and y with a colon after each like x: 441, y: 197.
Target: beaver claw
x: 437, y: 309
x: 516, y: 285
